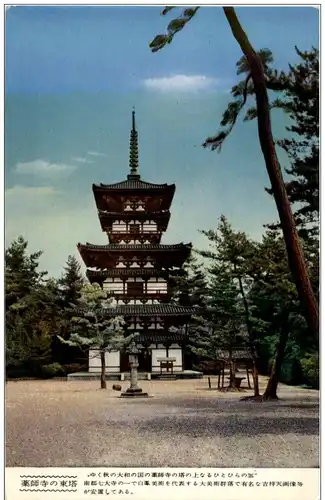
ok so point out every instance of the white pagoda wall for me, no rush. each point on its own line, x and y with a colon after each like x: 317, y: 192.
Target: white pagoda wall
x: 173, y: 352
x: 176, y: 352
x: 157, y: 353
x: 112, y: 361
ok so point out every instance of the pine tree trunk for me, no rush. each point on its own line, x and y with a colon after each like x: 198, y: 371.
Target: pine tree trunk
x: 250, y: 337
x: 272, y: 385
x: 103, y: 369
x: 232, y: 373
x: 255, y: 379
x: 295, y: 254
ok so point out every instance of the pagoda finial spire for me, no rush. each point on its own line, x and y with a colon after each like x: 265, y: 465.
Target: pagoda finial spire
x: 134, y: 152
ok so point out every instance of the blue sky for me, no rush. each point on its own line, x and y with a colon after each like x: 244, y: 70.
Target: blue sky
x: 72, y: 77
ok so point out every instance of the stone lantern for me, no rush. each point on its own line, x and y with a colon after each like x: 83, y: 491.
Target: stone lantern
x: 134, y: 390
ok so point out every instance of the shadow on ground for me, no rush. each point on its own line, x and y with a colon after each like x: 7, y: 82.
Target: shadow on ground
x: 229, y: 426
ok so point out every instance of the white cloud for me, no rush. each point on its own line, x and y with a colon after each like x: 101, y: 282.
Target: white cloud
x: 183, y: 83
x: 81, y: 160
x: 43, y: 168
x: 95, y: 153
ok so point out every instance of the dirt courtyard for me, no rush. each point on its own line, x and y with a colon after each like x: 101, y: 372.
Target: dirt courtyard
x: 57, y: 423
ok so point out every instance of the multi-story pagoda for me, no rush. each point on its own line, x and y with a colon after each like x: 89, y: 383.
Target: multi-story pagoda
x: 135, y: 267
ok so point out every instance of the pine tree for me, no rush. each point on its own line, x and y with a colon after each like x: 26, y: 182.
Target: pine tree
x: 94, y: 329
x: 231, y: 254
x: 189, y: 288
x: 275, y: 304
x: 30, y: 318
x: 299, y: 98
x: 71, y: 281
x: 21, y: 271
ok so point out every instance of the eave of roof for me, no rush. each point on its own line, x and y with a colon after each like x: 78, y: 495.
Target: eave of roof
x: 125, y: 271
x: 122, y: 248
x: 159, y: 338
x: 131, y: 184
x: 133, y: 214
x: 146, y: 310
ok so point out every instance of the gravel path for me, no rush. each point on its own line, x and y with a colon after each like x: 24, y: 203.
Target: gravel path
x: 56, y: 423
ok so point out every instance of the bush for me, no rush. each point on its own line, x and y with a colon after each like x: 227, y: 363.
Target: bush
x: 52, y: 370
x: 310, y: 369
x: 209, y: 367
x: 74, y: 367
x: 13, y: 372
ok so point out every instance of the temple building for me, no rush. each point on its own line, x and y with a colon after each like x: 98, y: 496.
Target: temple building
x: 135, y: 267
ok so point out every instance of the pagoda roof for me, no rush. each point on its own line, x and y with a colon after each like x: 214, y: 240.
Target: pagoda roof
x: 106, y: 256
x: 115, y: 247
x: 133, y: 184
x: 123, y: 271
x: 109, y: 196
x: 147, y: 310
x: 131, y: 214
x: 160, y: 338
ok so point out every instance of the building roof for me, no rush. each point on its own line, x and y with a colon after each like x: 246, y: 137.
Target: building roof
x: 124, y: 271
x: 133, y: 184
x: 147, y: 310
x: 130, y: 214
x: 122, y: 248
x: 160, y: 338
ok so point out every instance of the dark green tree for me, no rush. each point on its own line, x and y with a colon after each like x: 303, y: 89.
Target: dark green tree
x: 32, y: 311
x: 221, y: 326
x: 189, y: 288
x: 71, y: 281
x: 70, y: 285
x: 275, y: 303
x: 232, y: 253
x: 21, y: 271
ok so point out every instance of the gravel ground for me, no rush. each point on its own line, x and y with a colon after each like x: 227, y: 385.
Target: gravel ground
x: 59, y: 424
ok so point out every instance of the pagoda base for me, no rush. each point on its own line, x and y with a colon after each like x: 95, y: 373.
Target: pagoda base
x: 134, y: 393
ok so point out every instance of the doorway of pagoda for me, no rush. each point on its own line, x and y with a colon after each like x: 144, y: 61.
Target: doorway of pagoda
x: 124, y: 362
x: 144, y: 360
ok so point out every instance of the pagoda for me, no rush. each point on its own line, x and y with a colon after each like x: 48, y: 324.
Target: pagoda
x: 135, y: 268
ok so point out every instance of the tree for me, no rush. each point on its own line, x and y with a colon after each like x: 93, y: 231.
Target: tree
x: 223, y: 319
x: 21, y: 271
x: 71, y: 282
x: 31, y: 317
x: 70, y: 285
x: 300, y: 100
x: 298, y: 96
x: 231, y: 255
x: 275, y: 302
x: 94, y: 329
x: 294, y: 250
x: 190, y: 287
